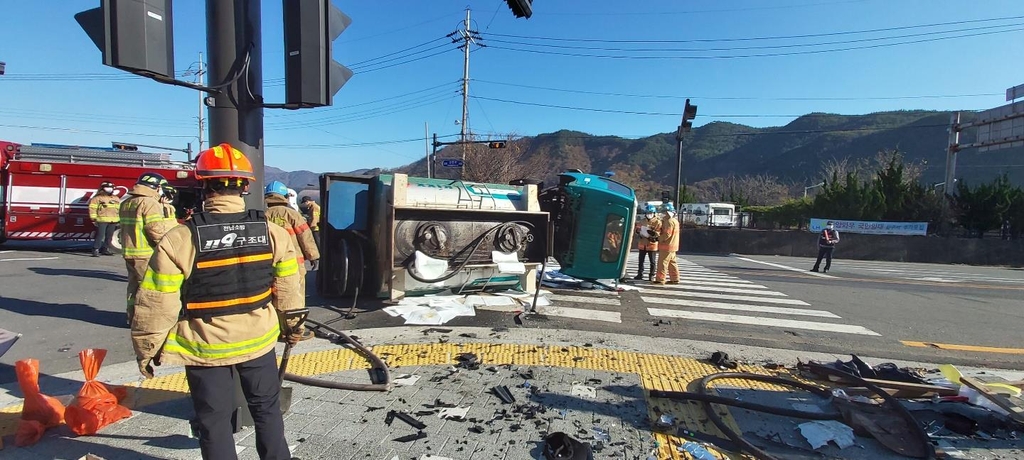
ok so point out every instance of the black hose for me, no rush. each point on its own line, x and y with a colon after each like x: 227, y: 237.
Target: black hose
x: 378, y: 364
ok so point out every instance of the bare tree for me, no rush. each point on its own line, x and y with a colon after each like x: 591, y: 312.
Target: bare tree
x: 834, y: 168
x: 496, y: 165
x: 761, y: 190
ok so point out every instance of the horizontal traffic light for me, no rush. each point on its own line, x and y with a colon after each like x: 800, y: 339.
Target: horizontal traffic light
x: 496, y: 144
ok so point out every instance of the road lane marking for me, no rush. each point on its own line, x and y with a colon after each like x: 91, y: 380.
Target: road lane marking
x: 786, y: 267
x: 974, y: 348
x: 28, y: 258
x: 582, y: 299
x: 738, y: 307
x: 738, y: 283
x: 759, y: 321
x: 693, y: 287
x: 738, y: 298
x: 581, y: 313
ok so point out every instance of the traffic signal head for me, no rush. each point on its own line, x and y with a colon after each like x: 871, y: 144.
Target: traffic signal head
x: 311, y: 76
x: 689, y: 113
x: 521, y: 8
x: 496, y: 144
x: 133, y: 35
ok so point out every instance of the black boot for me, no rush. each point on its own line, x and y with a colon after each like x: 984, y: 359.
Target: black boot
x: 95, y: 252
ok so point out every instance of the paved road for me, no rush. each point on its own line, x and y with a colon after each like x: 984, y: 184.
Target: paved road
x: 64, y: 301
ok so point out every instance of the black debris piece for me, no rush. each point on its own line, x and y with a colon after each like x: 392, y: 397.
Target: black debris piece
x: 423, y: 413
x: 661, y: 322
x: 410, y: 420
x: 560, y: 446
x: 884, y: 371
x: 528, y: 375
x: 588, y: 345
x: 518, y: 320
x: 411, y: 437
x: 721, y: 359
x: 476, y: 429
x: 492, y: 369
x: 504, y: 394
x: 389, y: 418
x: 499, y: 329
x: 437, y: 330
x: 960, y: 424
x: 515, y: 427
x: 373, y: 408
x: 438, y: 403
x: 468, y: 361
x: 468, y: 335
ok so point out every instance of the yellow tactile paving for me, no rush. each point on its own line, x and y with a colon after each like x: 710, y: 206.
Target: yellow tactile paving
x: 656, y: 372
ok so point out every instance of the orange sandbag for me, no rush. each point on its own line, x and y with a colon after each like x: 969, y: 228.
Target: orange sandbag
x: 39, y: 411
x: 95, y: 407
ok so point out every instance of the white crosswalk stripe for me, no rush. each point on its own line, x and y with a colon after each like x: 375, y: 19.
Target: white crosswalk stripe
x: 747, y: 289
x: 759, y: 321
x: 738, y: 298
x: 581, y: 313
x: 952, y: 274
x: 739, y: 307
x: 584, y: 299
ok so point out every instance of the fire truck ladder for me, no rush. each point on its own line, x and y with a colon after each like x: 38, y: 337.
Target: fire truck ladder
x: 93, y: 156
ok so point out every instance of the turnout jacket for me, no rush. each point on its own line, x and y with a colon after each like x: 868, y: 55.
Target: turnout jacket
x: 669, y: 235
x: 313, y: 210
x: 143, y: 222
x: 282, y: 214
x: 104, y: 208
x: 650, y: 243
x: 159, y: 326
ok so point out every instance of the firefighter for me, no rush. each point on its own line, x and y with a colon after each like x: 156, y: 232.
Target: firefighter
x: 103, y: 211
x: 211, y: 300
x: 313, y: 216
x: 143, y: 224
x: 647, y: 241
x: 826, y: 244
x: 668, y: 245
x: 281, y: 213
x: 167, y: 199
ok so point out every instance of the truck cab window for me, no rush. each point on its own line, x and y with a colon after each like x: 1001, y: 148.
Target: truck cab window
x: 613, y: 237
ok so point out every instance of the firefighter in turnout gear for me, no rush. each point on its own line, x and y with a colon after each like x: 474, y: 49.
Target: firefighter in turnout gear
x: 668, y: 245
x: 104, y: 208
x: 313, y: 216
x: 167, y: 199
x: 280, y: 212
x: 647, y: 241
x: 211, y: 300
x: 143, y: 224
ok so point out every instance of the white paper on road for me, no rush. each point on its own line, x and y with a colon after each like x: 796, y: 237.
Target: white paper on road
x: 583, y: 391
x: 430, y: 310
x: 818, y: 433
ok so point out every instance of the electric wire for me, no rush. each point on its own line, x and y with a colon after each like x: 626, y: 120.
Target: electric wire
x: 366, y: 114
x: 360, y: 104
x: 92, y: 131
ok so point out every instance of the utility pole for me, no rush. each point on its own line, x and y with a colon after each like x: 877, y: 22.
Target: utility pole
x: 951, y: 150
x: 467, y: 38
x: 202, y: 108
x: 235, y: 47
x: 426, y: 145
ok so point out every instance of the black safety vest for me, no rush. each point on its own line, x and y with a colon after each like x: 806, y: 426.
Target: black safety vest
x: 826, y: 235
x: 233, y: 270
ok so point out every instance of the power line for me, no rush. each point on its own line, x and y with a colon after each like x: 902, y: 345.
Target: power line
x: 380, y: 59
x: 400, y: 29
x: 758, y: 47
x: 89, y: 117
x: 348, y: 106
x: 113, y: 133
x: 776, y: 37
x: 728, y: 10
x: 352, y: 145
x: 404, y: 62
x: 744, y: 56
x: 361, y: 116
x: 734, y: 98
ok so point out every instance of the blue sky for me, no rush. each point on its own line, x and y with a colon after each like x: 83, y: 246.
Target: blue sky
x: 57, y: 91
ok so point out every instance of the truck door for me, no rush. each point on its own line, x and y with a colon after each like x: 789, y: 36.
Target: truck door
x: 348, y: 263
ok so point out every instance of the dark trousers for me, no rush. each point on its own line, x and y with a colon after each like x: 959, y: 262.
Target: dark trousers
x: 826, y: 252
x: 213, y: 399
x: 652, y: 255
x: 316, y: 238
x: 104, y: 234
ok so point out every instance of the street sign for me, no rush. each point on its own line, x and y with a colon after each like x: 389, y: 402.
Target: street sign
x: 452, y: 163
x: 1014, y: 93
x: 1002, y: 124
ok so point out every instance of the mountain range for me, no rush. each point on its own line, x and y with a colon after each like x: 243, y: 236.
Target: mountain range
x: 794, y: 153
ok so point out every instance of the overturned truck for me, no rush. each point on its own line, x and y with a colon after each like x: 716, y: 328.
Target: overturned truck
x: 391, y: 236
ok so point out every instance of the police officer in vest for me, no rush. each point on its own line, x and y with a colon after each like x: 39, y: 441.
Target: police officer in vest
x: 211, y: 299
x: 826, y: 244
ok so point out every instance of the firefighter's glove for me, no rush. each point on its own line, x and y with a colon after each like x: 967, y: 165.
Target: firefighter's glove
x: 296, y: 335
x: 146, y: 368
x: 314, y: 265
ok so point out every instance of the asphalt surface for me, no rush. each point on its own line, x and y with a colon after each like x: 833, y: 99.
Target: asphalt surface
x: 63, y: 300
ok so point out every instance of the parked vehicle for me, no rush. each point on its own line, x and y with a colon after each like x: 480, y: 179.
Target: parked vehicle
x: 721, y: 215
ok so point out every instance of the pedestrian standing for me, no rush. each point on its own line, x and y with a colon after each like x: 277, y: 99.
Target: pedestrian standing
x: 668, y: 246
x: 647, y: 242
x: 104, y: 207
x: 143, y: 224
x: 212, y: 300
x: 313, y: 216
x: 826, y: 244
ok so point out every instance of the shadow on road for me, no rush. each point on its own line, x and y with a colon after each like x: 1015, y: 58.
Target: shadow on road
x: 74, y: 311
x: 78, y: 273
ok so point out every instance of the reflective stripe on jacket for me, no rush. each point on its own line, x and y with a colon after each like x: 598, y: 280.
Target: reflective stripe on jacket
x: 104, y: 208
x: 314, y: 215
x: 143, y: 223
x: 217, y: 341
x: 280, y: 213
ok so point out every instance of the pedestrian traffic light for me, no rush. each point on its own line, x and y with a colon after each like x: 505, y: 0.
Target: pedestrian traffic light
x: 311, y: 76
x: 133, y: 35
x: 521, y: 8
x: 689, y: 113
x: 496, y: 144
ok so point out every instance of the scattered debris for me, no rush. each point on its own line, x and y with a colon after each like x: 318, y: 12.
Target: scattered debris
x: 560, y: 446
x: 721, y: 359
x: 583, y: 391
x: 430, y: 310
x: 411, y: 437
x: 696, y: 451
x: 819, y: 432
x: 468, y: 361
x: 404, y: 380
x: 666, y: 420
x: 454, y: 413
x: 504, y: 394
x: 661, y: 322
x: 476, y: 429
x: 468, y: 335
x: 601, y: 434
x: 405, y: 418
x: 373, y: 408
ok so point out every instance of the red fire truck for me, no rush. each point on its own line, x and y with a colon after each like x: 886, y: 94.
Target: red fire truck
x: 45, y: 189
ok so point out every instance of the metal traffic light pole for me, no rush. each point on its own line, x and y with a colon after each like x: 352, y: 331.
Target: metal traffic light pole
x: 235, y: 49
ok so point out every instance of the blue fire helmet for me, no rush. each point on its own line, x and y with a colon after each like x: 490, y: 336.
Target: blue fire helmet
x: 651, y: 209
x: 277, y: 188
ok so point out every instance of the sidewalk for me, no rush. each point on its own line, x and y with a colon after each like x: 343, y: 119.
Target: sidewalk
x: 592, y: 386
